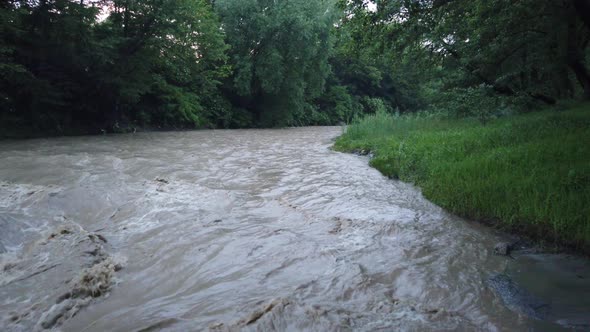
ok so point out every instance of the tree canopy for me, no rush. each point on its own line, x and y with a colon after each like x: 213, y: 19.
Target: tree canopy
x: 280, y: 52
x: 111, y: 65
x: 528, y: 50
x: 108, y: 64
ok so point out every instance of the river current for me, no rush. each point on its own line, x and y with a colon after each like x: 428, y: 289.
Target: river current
x: 254, y: 230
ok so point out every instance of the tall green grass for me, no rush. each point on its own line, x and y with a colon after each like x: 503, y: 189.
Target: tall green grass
x: 529, y: 173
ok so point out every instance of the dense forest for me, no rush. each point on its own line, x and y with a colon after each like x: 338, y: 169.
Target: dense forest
x: 87, y: 66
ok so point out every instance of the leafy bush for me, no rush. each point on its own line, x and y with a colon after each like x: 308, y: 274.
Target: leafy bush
x: 375, y: 105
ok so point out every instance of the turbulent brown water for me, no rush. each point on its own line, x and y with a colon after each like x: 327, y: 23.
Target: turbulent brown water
x: 248, y: 230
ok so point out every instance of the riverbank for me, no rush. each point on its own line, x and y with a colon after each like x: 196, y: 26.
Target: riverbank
x: 528, y: 174
x: 9, y: 132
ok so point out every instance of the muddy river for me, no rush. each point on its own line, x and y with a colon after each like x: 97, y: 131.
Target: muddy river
x: 254, y: 230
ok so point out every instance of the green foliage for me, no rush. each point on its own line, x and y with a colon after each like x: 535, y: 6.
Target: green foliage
x: 280, y: 51
x: 171, y: 62
x: 339, y: 105
x: 148, y: 63
x: 375, y: 105
x: 477, y: 102
x: 87, y: 66
x: 528, y: 172
x: 533, y: 49
x: 370, y: 77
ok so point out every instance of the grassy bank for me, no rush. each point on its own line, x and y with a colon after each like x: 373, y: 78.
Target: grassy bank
x: 529, y: 173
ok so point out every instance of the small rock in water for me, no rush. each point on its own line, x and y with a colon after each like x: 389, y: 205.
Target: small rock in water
x: 217, y: 221
x: 102, y: 238
x: 162, y: 180
x: 502, y: 249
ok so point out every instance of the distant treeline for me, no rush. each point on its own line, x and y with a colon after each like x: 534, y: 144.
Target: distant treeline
x: 88, y: 66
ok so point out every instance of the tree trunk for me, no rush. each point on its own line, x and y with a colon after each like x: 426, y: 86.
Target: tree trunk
x: 582, y: 75
x: 126, y: 19
x: 583, y: 10
x: 501, y: 89
x: 575, y: 53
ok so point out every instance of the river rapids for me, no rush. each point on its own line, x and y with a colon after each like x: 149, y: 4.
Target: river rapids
x: 252, y: 230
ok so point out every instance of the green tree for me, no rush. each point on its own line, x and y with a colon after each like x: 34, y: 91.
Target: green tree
x: 528, y: 48
x: 170, y: 58
x: 280, y: 52
x: 152, y: 62
x: 45, y: 47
